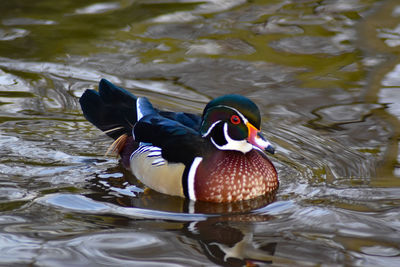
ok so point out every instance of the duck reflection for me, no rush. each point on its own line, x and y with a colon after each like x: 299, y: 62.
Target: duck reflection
x: 226, y: 236
x: 231, y: 244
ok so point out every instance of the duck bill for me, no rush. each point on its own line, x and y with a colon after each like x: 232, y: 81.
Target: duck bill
x: 256, y: 139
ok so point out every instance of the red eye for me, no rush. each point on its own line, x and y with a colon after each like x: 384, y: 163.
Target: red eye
x: 235, y: 119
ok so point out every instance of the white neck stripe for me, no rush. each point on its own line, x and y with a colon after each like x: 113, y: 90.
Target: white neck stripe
x: 237, y: 145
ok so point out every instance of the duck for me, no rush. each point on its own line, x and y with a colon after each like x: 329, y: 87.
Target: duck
x: 218, y: 156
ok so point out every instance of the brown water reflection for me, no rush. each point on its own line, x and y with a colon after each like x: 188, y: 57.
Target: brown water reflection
x: 325, y: 75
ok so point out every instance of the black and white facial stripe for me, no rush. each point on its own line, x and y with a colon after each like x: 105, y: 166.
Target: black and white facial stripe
x: 222, y: 139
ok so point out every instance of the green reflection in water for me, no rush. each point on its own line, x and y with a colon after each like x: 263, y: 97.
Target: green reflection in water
x: 67, y: 30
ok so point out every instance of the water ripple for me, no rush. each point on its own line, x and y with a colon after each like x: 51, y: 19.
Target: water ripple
x: 79, y: 203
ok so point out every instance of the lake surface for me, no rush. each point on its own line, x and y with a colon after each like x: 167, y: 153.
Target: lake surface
x: 325, y: 74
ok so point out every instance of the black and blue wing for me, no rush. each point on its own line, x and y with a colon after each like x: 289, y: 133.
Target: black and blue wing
x: 187, y: 119
x: 178, y: 142
x: 112, y: 109
x: 116, y: 111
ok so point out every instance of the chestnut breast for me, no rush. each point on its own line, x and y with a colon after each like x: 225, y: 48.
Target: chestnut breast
x: 227, y: 176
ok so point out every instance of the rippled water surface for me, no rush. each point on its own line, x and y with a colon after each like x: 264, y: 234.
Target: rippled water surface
x: 325, y: 74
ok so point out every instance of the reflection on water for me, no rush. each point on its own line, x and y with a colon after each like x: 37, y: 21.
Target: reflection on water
x: 325, y: 75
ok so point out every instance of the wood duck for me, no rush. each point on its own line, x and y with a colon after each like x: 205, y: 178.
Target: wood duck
x: 216, y: 157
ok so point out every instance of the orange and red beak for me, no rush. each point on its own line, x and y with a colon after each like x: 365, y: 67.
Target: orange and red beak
x: 256, y: 139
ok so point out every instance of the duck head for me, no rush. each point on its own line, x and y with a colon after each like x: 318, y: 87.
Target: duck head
x: 232, y: 122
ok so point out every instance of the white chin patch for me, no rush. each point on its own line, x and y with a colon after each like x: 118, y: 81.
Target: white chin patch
x: 236, y: 145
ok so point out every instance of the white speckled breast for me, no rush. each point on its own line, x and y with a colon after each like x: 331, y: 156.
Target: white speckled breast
x: 228, y: 176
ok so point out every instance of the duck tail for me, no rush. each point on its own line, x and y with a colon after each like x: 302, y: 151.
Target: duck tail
x: 112, y: 109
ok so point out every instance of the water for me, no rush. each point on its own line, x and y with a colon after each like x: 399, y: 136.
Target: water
x: 325, y: 75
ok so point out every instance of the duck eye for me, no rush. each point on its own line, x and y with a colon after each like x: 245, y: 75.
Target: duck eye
x: 235, y: 119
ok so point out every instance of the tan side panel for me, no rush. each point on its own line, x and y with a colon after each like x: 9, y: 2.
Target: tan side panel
x: 166, y: 178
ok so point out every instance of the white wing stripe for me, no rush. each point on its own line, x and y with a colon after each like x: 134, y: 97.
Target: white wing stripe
x: 139, y: 113
x: 191, y: 176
